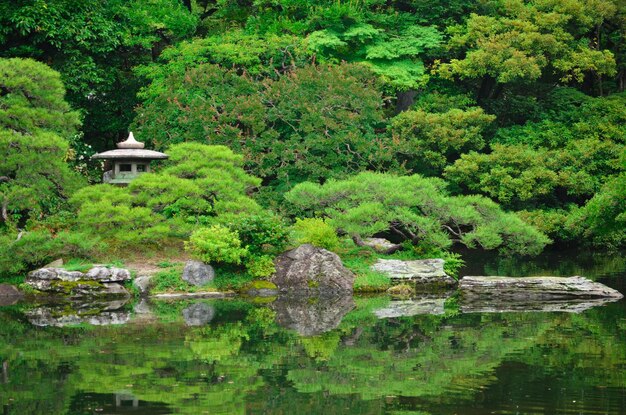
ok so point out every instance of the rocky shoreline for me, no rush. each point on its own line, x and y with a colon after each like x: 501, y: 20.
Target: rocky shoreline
x: 312, y: 272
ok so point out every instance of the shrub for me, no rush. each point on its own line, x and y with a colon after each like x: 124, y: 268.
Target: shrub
x: 317, y: 232
x: 263, y: 233
x: 261, y: 266
x: 216, y: 244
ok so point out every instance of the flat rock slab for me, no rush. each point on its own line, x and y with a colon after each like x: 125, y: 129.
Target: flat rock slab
x: 534, y: 288
x: 98, y: 281
x: 422, y: 271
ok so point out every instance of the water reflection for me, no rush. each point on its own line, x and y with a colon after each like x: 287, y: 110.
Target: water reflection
x: 340, y: 355
x: 310, y: 316
x: 517, y: 305
x: 97, y: 313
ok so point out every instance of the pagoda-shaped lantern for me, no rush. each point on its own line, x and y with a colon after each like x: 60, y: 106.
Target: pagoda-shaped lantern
x: 129, y: 161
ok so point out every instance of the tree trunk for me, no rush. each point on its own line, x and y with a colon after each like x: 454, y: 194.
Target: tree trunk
x: 4, y: 213
x: 5, y: 372
x: 487, y: 85
x: 404, y: 100
x: 187, y: 4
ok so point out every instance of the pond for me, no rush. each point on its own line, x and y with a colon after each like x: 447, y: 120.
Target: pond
x: 361, y: 355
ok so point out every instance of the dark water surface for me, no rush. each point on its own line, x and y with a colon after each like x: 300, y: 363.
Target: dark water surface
x: 367, y: 355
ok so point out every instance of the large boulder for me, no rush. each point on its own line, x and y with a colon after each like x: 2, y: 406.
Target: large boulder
x: 421, y: 272
x: 198, y: 273
x: 98, y: 281
x: 534, y: 288
x: 313, y: 270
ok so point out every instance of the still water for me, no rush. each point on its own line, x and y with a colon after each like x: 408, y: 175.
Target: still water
x: 366, y: 355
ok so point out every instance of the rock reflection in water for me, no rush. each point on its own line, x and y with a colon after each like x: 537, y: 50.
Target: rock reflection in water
x: 198, y: 314
x: 313, y: 315
x: 413, y: 307
x: 96, y: 313
x: 520, y: 306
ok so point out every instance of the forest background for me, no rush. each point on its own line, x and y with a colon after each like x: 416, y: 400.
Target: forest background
x: 494, y: 124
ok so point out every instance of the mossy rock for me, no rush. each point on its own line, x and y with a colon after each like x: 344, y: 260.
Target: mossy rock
x: 401, y: 290
x: 260, y: 288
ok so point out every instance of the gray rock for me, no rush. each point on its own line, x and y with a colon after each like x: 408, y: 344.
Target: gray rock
x: 74, y: 284
x: 7, y: 290
x: 198, y: 273
x: 9, y: 295
x: 379, y: 244
x: 198, y: 314
x: 414, y: 307
x: 422, y: 271
x: 534, y: 288
x: 312, y: 270
x: 104, y: 274
x: 311, y: 316
x: 57, y: 263
x: 60, y: 274
x: 143, y: 285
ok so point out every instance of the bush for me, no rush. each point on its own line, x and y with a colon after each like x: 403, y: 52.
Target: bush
x: 216, y: 244
x: 263, y: 233
x: 261, y: 266
x: 317, y: 232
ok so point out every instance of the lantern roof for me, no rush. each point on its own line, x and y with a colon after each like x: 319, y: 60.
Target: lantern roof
x: 131, y: 149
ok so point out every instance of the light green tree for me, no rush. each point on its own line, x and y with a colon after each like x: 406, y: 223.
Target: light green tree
x: 35, y: 124
x: 417, y: 210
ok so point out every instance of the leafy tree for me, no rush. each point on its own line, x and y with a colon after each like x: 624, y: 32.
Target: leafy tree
x: 603, y: 218
x: 208, y: 105
x: 94, y: 45
x: 417, y: 210
x: 35, y: 123
x: 201, y: 186
x: 312, y: 123
x: 428, y: 141
x: 524, y: 41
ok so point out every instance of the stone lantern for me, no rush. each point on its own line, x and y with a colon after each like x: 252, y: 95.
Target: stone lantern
x: 129, y: 161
